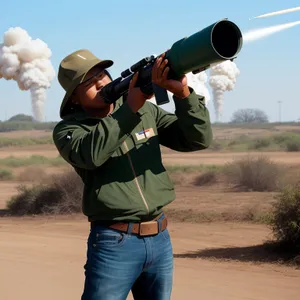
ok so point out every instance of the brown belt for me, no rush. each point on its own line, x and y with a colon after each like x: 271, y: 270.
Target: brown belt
x: 143, y: 228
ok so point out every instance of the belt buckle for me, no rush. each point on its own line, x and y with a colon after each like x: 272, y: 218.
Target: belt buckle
x: 145, y: 225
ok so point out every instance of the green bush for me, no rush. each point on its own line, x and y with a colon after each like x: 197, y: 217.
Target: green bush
x: 61, y: 196
x: 260, y: 143
x: 8, y: 142
x: 282, y: 139
x: 285, y: 222
x: 21, y: 117
x: 253, y: 173
x: 277, y: 142
x: 6, y: 174
x: 25, y: 125
x: 293, y: 146
x: 12, y: 161
x: 288, y: 141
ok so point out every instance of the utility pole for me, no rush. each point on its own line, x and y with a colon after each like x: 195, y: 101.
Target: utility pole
x: 279, y: 111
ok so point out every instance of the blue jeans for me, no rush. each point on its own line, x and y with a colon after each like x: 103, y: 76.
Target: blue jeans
x: 118, y: 262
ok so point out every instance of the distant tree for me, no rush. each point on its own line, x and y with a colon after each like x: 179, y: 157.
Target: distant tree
x: 249, y: 115
x: 21, y: 117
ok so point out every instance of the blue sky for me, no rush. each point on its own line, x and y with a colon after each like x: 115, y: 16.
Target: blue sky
x: 126, y: 31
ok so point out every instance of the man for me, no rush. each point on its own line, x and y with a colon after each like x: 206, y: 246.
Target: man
x: 115, y: 148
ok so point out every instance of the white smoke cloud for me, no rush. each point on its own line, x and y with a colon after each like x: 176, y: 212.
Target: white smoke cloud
x: 27, y: 61
x: 198, y: 82
x: 222, y: 78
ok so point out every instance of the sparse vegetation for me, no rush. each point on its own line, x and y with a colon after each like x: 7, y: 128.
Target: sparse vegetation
x: 6, y: 174
x: 61, y: 196
x: 253, y: 174
x: 192, y: 168
x: 185, y: 175
x: 206, y: 178
x: 14, y: 162
x: 286, y: 217
x: 24, y: 122
x: 8, y: 142
x: 226, y: 140
x: 34, y: 174
x: 8, y: 126
x: 194, y: 216
x: 21, y: 118
x: 275, y: 142
x: 249, y: 115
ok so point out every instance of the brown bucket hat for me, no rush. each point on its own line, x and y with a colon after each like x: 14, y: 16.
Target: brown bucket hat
x: 72, y: 71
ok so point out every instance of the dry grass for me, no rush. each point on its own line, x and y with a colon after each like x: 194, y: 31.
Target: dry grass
x: 33, y: 173
x: 207, y: 178
x: 208, y: 200
x: 203, y: 192
x: 182, y: 178
x: 26, y: 133
x: 60, y: 196
x: 254, y: 174
x: 249, y: 214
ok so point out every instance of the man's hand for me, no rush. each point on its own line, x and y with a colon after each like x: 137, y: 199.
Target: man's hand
x: 160, y: 73
x: 136, y: 99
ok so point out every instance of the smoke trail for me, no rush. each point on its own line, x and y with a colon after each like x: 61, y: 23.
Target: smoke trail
x: 27, y: 62
x: 222, y: 78
x: 260, y: 33
x: 279, y: 12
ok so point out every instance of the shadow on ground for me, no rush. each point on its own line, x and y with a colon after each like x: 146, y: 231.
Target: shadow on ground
x: 266, y: 253
x: 3, y: 212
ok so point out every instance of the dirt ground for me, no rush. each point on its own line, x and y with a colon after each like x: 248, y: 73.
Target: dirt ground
x: 42, y: 258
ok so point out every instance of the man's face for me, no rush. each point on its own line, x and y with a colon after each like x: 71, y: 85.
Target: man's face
x: 87, y: 93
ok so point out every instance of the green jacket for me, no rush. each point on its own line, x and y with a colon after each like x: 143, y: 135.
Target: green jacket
x: 119, y: 160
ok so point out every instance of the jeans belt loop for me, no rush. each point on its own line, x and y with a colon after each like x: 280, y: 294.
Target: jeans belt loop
x: 129, y: 230
x: 159, y: 223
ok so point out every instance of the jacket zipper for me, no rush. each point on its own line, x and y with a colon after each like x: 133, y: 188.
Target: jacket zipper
x: 135, y: 177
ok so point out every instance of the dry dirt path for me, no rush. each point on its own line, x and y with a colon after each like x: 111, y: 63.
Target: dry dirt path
x: 43, y: 259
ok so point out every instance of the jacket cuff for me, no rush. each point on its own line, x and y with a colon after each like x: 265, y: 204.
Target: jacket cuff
x: 126, y: 118
x: 190, y: 102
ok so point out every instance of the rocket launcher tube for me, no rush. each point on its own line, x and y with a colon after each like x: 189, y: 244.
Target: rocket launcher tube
x: 216, y: 43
